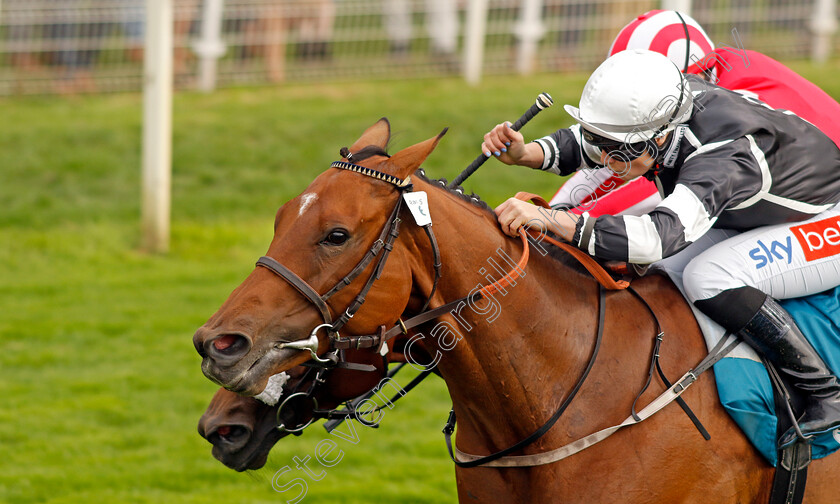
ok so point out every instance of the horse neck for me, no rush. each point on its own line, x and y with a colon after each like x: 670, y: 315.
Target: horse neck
x: 534, y: 336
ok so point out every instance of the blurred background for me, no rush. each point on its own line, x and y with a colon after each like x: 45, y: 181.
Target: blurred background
x: 61, y: 46
x: 100, y: 386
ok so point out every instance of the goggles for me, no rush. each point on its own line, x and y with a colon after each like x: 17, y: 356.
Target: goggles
x: 627, y: 151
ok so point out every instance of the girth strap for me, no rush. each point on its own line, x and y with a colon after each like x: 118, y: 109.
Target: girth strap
x: 655, y: 365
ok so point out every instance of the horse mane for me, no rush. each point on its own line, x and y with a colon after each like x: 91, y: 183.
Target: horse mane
x: 457, y: 191
x: 553, y: 252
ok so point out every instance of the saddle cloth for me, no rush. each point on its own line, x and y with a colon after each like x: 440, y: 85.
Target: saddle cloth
x: 743, y: 382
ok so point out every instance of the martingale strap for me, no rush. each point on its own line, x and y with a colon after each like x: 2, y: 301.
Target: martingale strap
x: 501, y: 458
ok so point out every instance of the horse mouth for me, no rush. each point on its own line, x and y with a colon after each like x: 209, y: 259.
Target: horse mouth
x: 251, y: 456
x: 253, y: 379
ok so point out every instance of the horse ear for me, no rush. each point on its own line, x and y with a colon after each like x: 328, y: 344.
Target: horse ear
x: 405, y: 162
x: 377, y: 135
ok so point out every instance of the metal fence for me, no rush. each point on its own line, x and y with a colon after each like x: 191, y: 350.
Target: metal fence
x: 76, y: 46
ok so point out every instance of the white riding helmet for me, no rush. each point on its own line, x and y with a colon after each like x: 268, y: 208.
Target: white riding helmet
x: 634, y: 96
x: 672, y: 33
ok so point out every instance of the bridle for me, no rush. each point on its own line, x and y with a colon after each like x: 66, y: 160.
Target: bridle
x: 379, y: 251
x: 305, y: 401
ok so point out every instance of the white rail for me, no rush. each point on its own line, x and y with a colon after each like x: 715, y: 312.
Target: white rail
x: 157, y: 126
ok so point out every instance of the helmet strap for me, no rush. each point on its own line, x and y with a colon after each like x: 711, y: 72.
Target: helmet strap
x: 676, y: 108
x: 687, y: 41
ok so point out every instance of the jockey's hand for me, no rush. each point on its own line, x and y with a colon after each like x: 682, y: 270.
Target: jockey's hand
x: 507, y: 145
x: 514, y: 213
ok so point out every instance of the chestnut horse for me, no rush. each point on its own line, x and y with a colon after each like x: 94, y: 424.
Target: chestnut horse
x: 508, y: 359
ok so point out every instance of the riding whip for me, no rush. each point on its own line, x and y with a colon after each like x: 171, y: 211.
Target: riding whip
x: 543, y: 101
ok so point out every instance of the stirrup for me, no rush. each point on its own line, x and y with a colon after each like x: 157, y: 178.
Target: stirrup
x: 795, y: 435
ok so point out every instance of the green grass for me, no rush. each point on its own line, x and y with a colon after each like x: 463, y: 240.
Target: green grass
x: 101, y: 387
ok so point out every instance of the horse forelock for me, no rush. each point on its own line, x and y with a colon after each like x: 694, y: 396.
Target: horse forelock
x: 369, y: 151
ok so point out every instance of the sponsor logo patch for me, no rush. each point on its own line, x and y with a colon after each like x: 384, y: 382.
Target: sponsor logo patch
x: 819, y: 239
x: 768, y: 253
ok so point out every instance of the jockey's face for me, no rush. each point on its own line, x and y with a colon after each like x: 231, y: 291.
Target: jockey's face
x: 627, y: 170
x: 632, y: 168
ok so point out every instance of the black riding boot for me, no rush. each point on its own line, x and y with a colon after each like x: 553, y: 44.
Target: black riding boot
x: 773, y: 333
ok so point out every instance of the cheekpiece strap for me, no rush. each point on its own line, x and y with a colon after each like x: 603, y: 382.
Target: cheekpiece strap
x: 370, y: 172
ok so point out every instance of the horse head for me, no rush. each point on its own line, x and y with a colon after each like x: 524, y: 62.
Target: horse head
x: 323, y: 270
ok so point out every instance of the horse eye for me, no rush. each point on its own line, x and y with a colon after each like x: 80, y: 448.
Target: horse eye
x: 336, y: 237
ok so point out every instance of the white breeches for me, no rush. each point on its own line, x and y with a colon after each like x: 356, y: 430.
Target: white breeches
x: 791, y: 260
x: 783, y: 261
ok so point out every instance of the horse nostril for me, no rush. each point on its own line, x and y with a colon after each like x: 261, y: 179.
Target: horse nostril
x: 228, y: 346
x: 231, y: 437
x: 198, y: 342
x: 225, y: 342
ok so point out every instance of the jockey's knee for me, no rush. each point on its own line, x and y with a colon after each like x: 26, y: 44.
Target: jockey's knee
x: 733, y: 308
x: 704, y: 277
x: 721, y: 292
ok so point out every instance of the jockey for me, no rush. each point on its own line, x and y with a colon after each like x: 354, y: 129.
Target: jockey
x: 725, y: 162
x: 684, y: 41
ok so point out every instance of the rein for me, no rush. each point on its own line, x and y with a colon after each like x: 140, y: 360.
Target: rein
x: 297, y: 401
x: 591, y: 265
